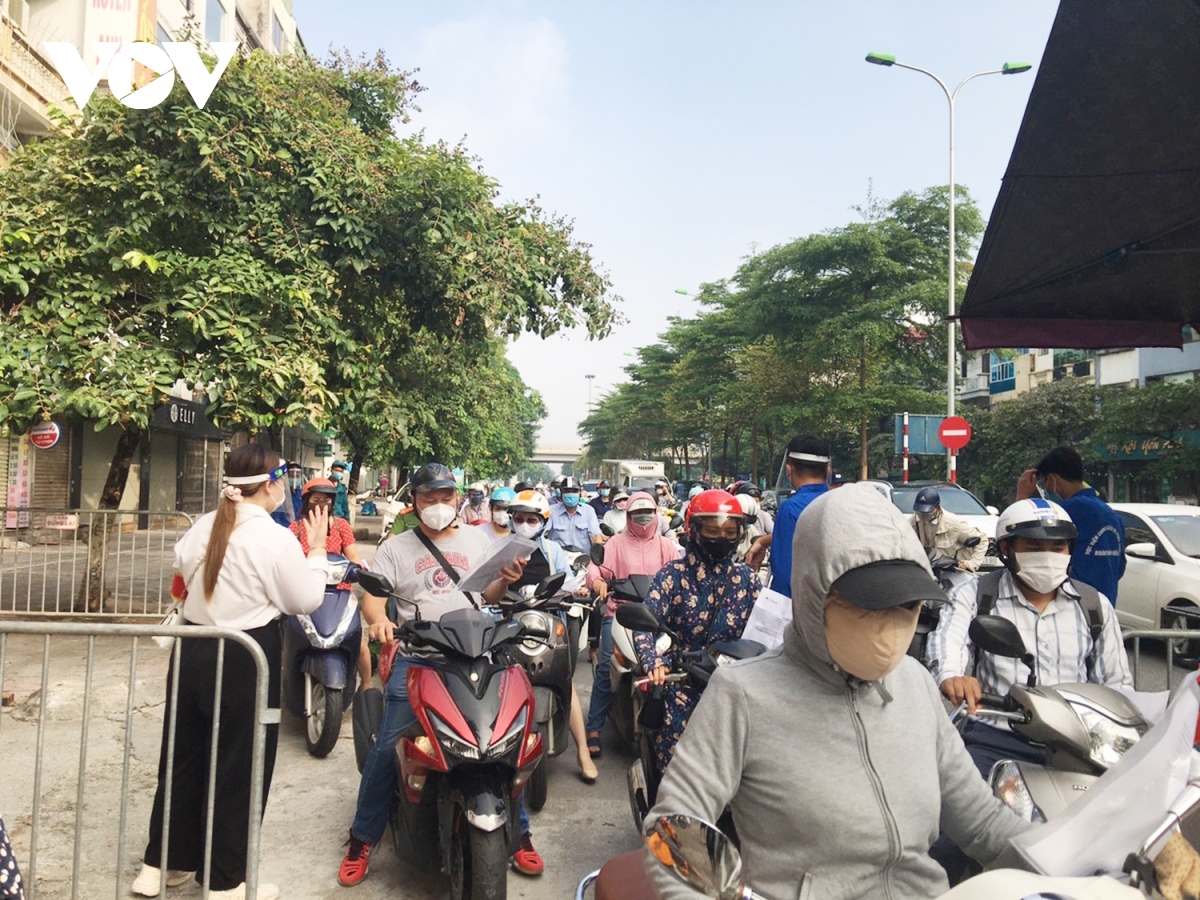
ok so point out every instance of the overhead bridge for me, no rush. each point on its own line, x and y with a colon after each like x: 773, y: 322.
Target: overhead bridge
x: 556, y: 455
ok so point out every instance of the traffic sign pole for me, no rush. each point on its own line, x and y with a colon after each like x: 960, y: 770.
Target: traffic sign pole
x: 953, y: 466
x: 906, y: 448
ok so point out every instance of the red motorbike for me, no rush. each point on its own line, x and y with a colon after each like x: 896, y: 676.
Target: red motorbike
x: 469, y: 754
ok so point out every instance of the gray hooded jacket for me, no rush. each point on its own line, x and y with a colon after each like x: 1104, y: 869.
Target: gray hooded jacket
x: 837, y: 786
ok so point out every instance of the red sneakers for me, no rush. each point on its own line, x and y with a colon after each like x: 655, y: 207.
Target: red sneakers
x: 356, y: 863
x: 526, y: 860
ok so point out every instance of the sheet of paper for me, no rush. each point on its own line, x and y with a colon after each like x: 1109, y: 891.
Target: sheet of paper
x: 771, y: 615
x: 499, y: 555
x: 1115, y: 816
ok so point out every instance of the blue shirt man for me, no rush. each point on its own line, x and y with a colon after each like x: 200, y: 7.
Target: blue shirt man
x: 572, y: 524
x: 807, y: 468
x: 341, y: 500
x: 1099, y: 557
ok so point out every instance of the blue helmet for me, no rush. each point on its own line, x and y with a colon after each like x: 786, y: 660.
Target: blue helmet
x: 505, y: 495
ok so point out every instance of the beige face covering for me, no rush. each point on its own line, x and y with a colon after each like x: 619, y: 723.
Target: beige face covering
x: 867, y: 644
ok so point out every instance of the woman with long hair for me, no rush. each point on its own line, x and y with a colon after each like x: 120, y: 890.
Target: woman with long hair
x: 235, y: 568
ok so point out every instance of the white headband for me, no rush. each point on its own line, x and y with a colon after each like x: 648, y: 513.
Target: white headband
x: 248, y: 479
x: 808, y: 457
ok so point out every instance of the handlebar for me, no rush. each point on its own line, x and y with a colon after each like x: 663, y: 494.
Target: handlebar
x: 642, y: 681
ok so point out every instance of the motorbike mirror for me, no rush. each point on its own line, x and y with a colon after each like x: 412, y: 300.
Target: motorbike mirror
x: 596, y: 552
x: 699, y: 855
x: 997, y: 635
x: 549, y: 586
x: 376, y: 584
x: 606, y: 529
x: 969, y: 543
x: 637, y: 617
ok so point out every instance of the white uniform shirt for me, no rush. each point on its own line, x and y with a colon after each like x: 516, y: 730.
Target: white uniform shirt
x: 264, y: 573
x: 1059, y: 638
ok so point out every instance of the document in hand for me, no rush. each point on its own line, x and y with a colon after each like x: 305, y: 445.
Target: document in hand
x: 771, y: 615
x: 499, y: 555
x: 1113, y: 818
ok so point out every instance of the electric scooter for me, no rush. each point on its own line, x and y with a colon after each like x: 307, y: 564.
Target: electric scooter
x: 320, y: 655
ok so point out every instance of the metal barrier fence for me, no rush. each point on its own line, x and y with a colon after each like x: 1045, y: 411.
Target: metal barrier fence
x: 60, y: 562
x: 1169, y: 637
x: 58, y: 704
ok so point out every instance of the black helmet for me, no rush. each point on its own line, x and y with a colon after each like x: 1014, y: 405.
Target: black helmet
x: 748, y: 487
x: 927, y: 500
x: 567, y: 483
x: 522, y: 486
x: 433, y: 477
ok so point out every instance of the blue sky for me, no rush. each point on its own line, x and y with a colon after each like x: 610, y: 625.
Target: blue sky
x: 682, y: 136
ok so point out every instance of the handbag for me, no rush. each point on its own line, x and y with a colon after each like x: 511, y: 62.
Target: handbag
x: 174, y: 616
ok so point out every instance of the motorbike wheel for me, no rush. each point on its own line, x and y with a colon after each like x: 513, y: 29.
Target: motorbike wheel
x: 478, y: 863
x: 325, y: 722
x: 539, y: 785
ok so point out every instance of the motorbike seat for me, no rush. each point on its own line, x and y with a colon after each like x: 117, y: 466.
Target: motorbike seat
x: 624, y: 878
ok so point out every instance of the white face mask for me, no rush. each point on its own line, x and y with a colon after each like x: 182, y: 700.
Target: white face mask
x: 282, y: 497
x: 867, y: 644
x: 526, y: 530
x: 1043, y: 572
x: 500, y: 517
x: 439, y: 516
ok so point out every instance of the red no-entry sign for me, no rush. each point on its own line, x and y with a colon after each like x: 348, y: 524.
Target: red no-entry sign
x: 954, y: 433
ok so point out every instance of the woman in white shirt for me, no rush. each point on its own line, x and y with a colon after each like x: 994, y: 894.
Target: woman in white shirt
x: 236, y: 569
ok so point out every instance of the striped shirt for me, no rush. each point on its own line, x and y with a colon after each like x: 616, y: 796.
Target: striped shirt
x: 1059, y: 637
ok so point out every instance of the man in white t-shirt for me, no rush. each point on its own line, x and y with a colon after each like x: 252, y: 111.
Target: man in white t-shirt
x: 417, y: 575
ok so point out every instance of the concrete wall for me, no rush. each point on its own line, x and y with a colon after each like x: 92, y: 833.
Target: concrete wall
x: 97, y: 448
x: 1168, y: 360
x: 164, y: 465
x: 1118, y: 368
x: 56, y: 20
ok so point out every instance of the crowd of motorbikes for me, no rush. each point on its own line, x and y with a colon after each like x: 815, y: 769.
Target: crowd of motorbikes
x: 492, y: 701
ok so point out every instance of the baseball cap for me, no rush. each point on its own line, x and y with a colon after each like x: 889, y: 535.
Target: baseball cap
x: 888, y: 583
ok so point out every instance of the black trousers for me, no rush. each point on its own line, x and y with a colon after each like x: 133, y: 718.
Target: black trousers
x: 193, y: 740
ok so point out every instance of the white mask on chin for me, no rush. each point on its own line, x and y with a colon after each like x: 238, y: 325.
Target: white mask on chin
x: 439, y: 516
x: 1043, y: 572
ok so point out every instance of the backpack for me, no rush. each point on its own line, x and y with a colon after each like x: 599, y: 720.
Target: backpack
x: 1089, y: 600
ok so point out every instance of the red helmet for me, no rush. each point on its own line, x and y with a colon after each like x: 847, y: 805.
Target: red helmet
x: 714, y: 503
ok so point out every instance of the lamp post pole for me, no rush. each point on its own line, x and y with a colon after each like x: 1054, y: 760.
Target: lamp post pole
x: 1009, y: 68
x: 589, y: 381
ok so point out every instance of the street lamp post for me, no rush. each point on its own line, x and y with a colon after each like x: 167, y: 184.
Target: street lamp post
x: 589, y: 378
x: 1009, y: 68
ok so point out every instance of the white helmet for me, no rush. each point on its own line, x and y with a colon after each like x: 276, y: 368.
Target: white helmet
x: 1038, y: 519
x: 696, y: 490
x: 749, y: 505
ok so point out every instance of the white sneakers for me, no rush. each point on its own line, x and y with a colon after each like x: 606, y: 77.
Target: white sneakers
x: 148, y: 880
x: 147, y: 885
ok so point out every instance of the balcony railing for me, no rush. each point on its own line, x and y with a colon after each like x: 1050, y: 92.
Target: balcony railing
x: 25, y: 63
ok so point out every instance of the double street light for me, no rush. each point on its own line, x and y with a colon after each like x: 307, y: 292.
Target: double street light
x: 1009, y: 68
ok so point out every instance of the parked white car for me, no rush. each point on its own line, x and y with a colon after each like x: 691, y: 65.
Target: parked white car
x: 1161, y: 585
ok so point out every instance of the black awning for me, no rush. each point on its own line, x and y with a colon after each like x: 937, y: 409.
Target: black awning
x: 186, y: 417
x: 1095, y: 237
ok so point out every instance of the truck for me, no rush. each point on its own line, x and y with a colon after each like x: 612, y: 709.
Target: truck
x: 635, y: 474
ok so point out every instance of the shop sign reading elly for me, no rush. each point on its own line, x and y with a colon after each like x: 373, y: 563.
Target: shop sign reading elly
x: 117, y: 59
x: 45, y: 435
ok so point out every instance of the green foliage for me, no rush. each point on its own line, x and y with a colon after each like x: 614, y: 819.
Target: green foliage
x: 284, y: 251
x: 831, y: 333
x: 1161, y: 411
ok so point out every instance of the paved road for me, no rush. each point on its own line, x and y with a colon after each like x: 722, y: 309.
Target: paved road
x: 311, y: 803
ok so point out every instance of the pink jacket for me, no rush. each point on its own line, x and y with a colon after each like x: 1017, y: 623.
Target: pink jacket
x: 638, y: 550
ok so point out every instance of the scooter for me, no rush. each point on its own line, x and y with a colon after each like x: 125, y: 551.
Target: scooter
x: 577, y: 611
x: 696, y: 668
x: 949, y: 577
x: 1085, y: 728
x: 472, y: 749
x: 698, y: 854
x: 546, y: 654
x: 624, y: 659
x: 320, y: 654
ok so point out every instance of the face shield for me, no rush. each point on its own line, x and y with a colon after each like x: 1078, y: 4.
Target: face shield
x: 276, y: 487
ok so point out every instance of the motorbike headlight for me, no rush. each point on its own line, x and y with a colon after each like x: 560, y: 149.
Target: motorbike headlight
x: 1008, y: 784
x: 337, y: 572
x: 451, y: 742
x: 537, y: 624
x: 509, y: 739
x: 1110, y: 740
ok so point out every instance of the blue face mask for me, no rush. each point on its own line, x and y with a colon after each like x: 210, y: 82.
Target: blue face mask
x: 336, y: 476
x: 570, y: 499
x: 603, y: 492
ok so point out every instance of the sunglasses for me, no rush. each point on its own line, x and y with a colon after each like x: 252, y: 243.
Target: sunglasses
x: 527, y: 520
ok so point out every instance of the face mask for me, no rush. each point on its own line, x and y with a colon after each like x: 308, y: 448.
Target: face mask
x: 1043, y: 572
x: 570, y: 500
x: 621, y: 505
x: 1050, y: 495
x: 527, y: 530
x: 336, y: 476
x: 282, y: 497
x: 500, y: 517
x: 641, y: 518
x: 603, y: 492
x: 439, y: 516
x: 475, y: 499
x: 714, y: 550
x: 295, y: 481
x: 867, y: 644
